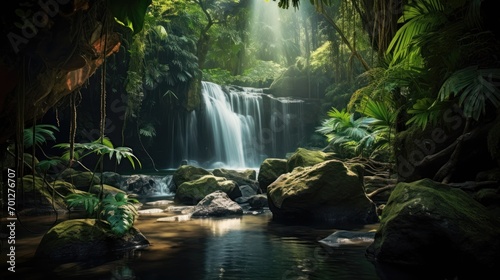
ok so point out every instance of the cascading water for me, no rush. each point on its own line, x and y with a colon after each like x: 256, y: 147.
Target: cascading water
x: 230, y: 123
x: 235, y: 127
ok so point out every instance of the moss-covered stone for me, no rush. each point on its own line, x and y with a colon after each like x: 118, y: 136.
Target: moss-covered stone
x: 192, y: 192
x: 188, y: 173
x: 82, y: 180
x: 84, y: 239
x: 328, y: 192
x: 305, y: 157
x: 426, y: 223
x: 269, y: 171
x: 106, y: 189
x: 45, y: 196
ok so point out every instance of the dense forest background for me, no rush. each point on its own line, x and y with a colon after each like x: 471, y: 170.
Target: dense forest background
x: 409, y: 82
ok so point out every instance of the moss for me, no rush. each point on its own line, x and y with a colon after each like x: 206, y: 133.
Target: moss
x: 106, y: 189
x: 188, y: 173
x: 84, y: 239
x: 192, y: 192
x: 39, y: 194
x: 424, y: 221
x: 305, y: 157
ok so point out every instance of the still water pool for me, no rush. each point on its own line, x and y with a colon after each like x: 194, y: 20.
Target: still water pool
x: 246, y: 247
x: 250, y: 247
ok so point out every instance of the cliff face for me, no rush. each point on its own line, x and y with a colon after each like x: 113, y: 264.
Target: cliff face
x: 50, y: 50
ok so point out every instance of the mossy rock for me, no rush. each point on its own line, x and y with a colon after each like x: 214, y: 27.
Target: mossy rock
x: 305, y: 157
x: 83, y: 240
x: 425, y: 223
x: 269, y: 171
x: 328, y: 192
x: 241, y: 177
x: 83, y: 180
x: 192, y: 192
x: 106, y: 189
x: 188, y: 173
x: 43, y: 197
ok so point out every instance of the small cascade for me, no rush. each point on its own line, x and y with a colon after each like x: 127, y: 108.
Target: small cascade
x: 235, y: 127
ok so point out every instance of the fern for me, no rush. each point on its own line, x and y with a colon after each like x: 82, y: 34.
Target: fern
x: 89, y: 202
x: 101, y: 148
x: 474, y: 88
x: 119, y: 211
x: 42, y: 133
x: 425, y: 111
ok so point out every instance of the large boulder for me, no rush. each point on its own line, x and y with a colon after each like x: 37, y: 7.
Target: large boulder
x: 84, y: 239
x: 328, y: 192
x: 217, y: 204
x: 241, y: 177
x: 304, y: 157
x: 42, y: 197
x: 186, y: 173
x: 112, y: 179
x: 191, y: 192
x: 141, y: 184
x: 269, y: 171
x: 426, y: 223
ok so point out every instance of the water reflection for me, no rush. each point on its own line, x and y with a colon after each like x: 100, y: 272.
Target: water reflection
x: 251, y: 247
x: 220, y: 227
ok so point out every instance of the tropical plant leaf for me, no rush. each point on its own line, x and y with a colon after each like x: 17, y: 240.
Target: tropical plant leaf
x: 119, y: 211
x: 130, y: 13
x: 474, y: 88
x: 419, y: 17
x: 425, y: 111
x: 42, y: 133
x: 88, y: 200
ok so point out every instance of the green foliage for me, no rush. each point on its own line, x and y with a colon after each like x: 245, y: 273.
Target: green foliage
x: 88, y: 201
x: 148, y: 130
x: 425, y: 111
x: 419, y: 17
x: 100, y: 148
x: 363, y: 135
x: 342, y: 130
x: 130, y: 13
x: 261, y: 74
x: 46, y: 164
x: 321, y: 58
x: 218, y: 76
x: 42, y: 133
x: 118, y: 210
x: 475, y: 88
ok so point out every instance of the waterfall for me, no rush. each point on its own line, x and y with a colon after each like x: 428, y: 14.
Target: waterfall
x: 235, y: 127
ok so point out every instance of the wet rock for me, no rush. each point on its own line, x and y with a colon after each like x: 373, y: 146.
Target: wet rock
x: 141, y: 184
x: 328, y: 192
x: 426, y: 223
x: 247, y: 191
x: 112, y: 179
x: 304, y: 157
x: 39, y: 199
x: 84, y: 239
x: 269, y: 171
x: 190, y: 193
x: 186, y: 173
x: 351, y: 238
x: 151, y: 212
x: 217, y: 204
x: 258, y: 201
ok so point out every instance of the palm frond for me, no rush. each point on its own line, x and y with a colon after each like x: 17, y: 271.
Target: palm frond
x: 41, y: 134
x: 419, y: 17
x: 475, y: 88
